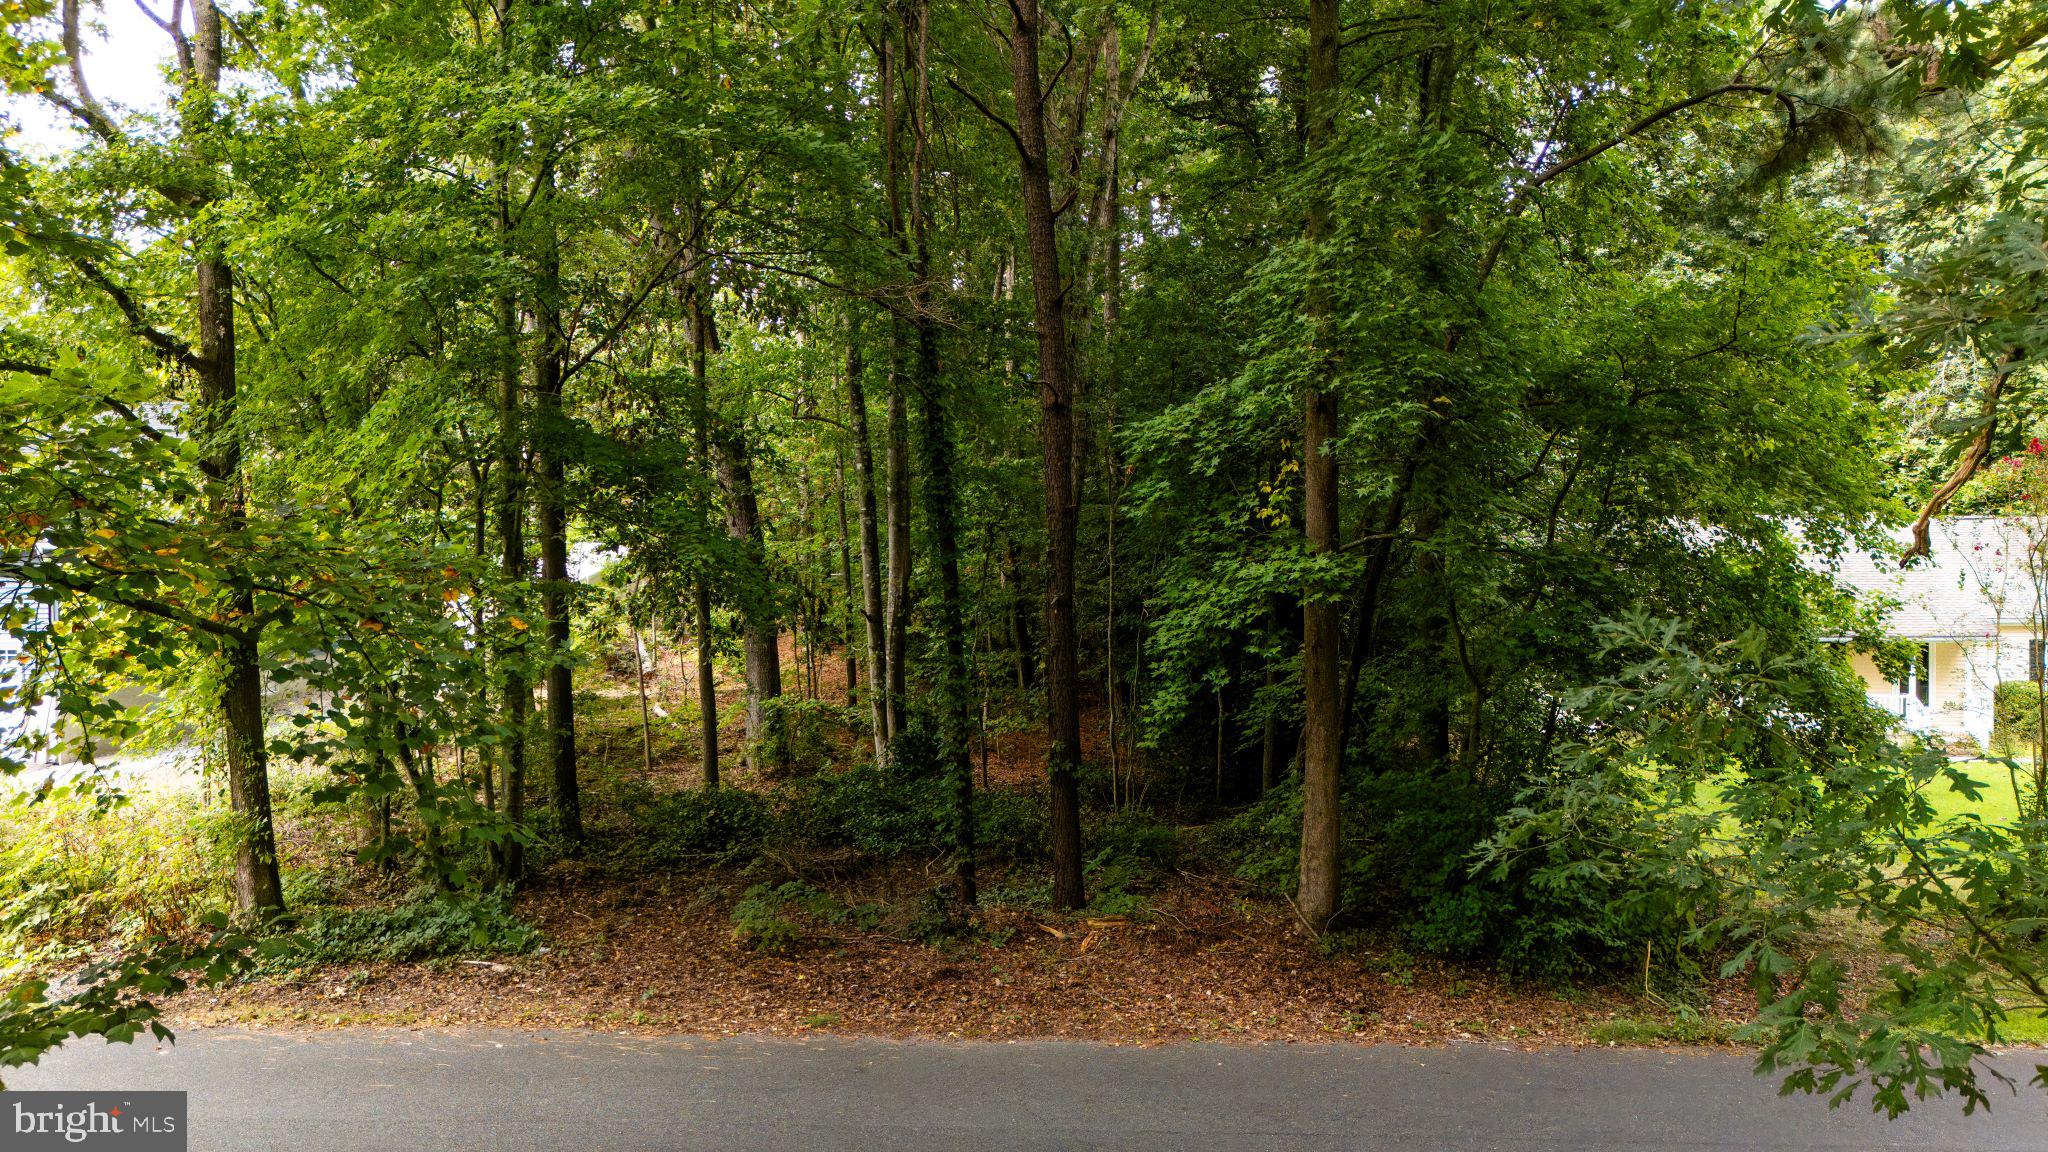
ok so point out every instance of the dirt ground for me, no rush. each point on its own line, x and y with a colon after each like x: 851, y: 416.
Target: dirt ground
x: 656, y: 953
x: 1204, y: 963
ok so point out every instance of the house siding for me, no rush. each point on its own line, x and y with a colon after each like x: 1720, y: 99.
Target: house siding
x: 1974, y: 600
x: 1953, y: 668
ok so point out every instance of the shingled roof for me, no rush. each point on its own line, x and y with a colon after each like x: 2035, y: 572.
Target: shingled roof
x: 1974, y: 578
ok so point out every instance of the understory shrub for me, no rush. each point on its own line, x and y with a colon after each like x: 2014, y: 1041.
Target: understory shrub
x: 77, y: 874
x: 1126, y: 852
x: 705, y: 826
x: 1410, y: 870
x: 766, y: 917
x: 758, y: 922
x: 2015, y: 722
x: 1011, y: 826
x: 1261, y: 844
x: 1580, y: 900
x: 1138, y: 837
x: 423, y: 927
x: 879, y: 813
x: 815, y: 729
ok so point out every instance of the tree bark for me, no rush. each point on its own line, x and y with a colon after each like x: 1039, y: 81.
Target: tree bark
x: 1019, y: 612
x: 1274, y: 746
x: 640, y: 685
x: 698, y: 309
x: 550, y: 361
x: 1322, y: 624
x: 509, y: 855
x: 870, y: 550
x: 851, y: 641
x: 898, y: 457
x: 480, y: 547
x: 763, y: 651
x: 518, y: 695
x: 1056, y: 431
x: 955, y: 708
x: 896, y: 449
x: 707, y: 686
x: 940, y: 496
x: 259, y: 894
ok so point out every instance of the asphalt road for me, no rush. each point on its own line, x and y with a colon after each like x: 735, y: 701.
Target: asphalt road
x: 365, y: 1089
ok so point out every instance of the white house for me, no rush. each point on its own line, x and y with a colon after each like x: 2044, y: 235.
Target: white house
x: 17, y: 724
x: 1977, y: 606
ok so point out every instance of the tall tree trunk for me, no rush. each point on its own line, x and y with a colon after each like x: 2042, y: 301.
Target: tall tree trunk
x: 1056, y: 431
x: 518, y: 695
x: 955, y: 706
x: 896, y: 430
x: 1019, y: 612
x: 509, y: 855
x: 940, y: 496
x: 551, y: 357
x: 1105, y: 222
x: 898, y: 457
x: 1272, y: 738
x: 762, y: 636
x: 480, y: 546
x: 851, y: 641
x: 1322, y: 624
x: 1274, y: 747
x: 1221, y: 718
x: 640, y: 684
x: 1437, y: 71
x: 696, y: 290
x: 707, y: 686
x: 259, y: 893
x: 870, y: 549
x: 1016, y: 604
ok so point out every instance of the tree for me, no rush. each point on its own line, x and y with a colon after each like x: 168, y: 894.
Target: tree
x: 1056, y: 430
x: 1443, y: 347
x: 194, y: 188
x: 1322, y: 626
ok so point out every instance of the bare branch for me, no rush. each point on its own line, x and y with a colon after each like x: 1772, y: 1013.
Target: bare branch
x: 87, y: 110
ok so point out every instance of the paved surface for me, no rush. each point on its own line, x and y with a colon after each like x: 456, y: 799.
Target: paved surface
x: 494, y: 1090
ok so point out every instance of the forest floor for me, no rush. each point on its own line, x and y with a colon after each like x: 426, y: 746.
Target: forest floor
x: 1202, y: 963
x: 1202, y: 957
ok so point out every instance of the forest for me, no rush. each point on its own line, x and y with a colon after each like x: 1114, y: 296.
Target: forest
x: 933, y: 480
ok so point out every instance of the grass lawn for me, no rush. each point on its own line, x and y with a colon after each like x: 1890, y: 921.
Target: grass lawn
x: 1995, y: 806
x: 2026, y: 1028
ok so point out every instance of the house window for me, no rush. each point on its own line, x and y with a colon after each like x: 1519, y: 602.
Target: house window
x: 1915, y: 682
x: 2036, y: 649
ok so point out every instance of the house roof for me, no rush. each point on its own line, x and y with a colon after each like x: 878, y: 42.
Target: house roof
x: 1974, y: 580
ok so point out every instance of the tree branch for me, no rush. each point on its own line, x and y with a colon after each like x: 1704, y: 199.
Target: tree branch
x: 87, y: 110
x: 167, y: 345
x: 116, y: 406
x: 1520, y: 200
x: 53, y: 575
x: 661, y: 276
x: 1973, y: 457
x: 985, y: 110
